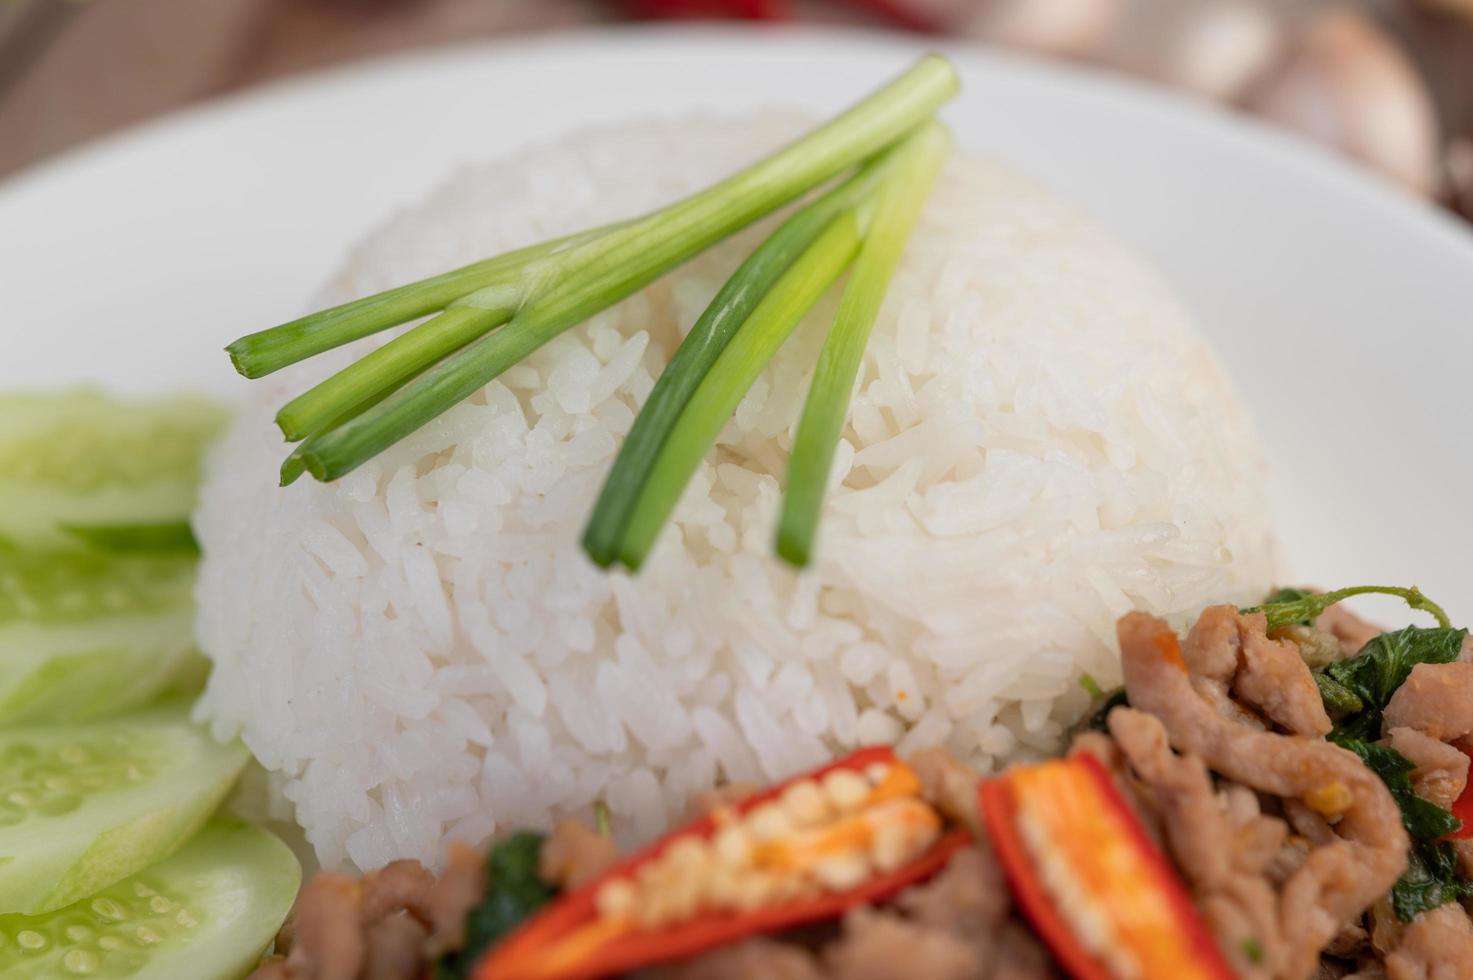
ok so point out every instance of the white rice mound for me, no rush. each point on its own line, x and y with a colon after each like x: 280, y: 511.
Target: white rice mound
x: 420, y: 652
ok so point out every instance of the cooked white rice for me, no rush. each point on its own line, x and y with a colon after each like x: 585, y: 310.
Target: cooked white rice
x: 420, y: 652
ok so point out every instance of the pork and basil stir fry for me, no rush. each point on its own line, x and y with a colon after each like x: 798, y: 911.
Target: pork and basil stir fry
x: 1278, y: 795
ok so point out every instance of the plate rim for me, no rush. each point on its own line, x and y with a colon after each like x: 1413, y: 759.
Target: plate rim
x: 1210, y: 119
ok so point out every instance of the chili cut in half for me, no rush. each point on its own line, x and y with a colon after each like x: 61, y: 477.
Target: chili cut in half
x: 1088, y: 878
x: 803, y: 851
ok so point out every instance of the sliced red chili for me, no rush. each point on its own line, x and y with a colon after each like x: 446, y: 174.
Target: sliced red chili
x: 1463, y: 805
x: 1081, y: 865
x: 569, y: 942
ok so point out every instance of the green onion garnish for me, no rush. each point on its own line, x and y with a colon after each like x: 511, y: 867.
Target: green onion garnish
x: 728, y: 311
x: 259, y: 354
x: 389, y: 367
x: 722, y: 389
x: 918, y: 162
x: 488, y: 316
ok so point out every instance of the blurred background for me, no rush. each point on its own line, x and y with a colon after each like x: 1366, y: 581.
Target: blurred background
x: 1387, y: 82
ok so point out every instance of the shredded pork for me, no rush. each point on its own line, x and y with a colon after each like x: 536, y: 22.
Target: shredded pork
x: 1222, y: 849
x: 1438, y: 945
x: 1426, y: 720
x: 1351, y: 630
x: 1435, y: 701
x: 574, y: 854
x: 454, y: 893
x: 388, y: 926
x: 1337, y: 880
x: 1441, y: 769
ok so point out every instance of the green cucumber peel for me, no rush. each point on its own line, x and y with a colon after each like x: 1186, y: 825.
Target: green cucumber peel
x: 87, y: 805
x: 208, y: 912
x: 83, y: 459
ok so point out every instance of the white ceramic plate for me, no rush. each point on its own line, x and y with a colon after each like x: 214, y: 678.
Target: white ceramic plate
x: 1343, y: 308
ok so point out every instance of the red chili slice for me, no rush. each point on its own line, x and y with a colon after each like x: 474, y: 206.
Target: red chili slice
x: 548, y: 947
x: 1075, y: 856
x: 1463, y: 806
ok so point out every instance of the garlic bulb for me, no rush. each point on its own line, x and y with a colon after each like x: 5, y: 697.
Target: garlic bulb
x: 1212, y: 48
x: 1347, y: 84
x: 1068, y: 28
x: 1221, y: 47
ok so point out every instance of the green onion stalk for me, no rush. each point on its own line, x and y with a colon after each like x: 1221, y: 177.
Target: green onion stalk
x: 864, y: 224
x: 492, y: 314
x: 486, y: 317
x: 719, y: 393
x: 731, y: 308
x: 827, y: 406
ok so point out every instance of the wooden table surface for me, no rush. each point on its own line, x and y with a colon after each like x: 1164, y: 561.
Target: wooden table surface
x: 115, y: 62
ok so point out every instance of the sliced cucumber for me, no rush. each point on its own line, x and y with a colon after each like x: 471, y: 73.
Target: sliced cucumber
x: 83, y: 806
x: 162, y: 537
x: 83, y: 458
x: 85, y: 634
x: 207, y: 913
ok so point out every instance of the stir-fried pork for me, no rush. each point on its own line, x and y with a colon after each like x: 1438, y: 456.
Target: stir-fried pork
x: 1437, y: 945
x: 1441, y: 770
x: 950, y: 785
x: 1351, y: 630
x: 1435, y: 701
x: 759, y: 957
x: 328, y: 938
x: 395, y: 948
x: 1222, y: 860
x: 574, y: 854
x: 455, y: 891
x: 1337, y: 880
x: 385, y: 927
x: 397, y: 885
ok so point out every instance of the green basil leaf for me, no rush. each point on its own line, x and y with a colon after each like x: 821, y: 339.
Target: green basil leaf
x: 1431, y: 879
x: 1340, y: 701
x: 1423, y: 820
x: 1384, y: 664
x: 514, y: 893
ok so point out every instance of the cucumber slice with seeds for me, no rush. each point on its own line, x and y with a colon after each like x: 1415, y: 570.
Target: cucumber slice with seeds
x: 83, y: 806
x: 206, y: 913
x: 82, y: 458
x: 85, y: 634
